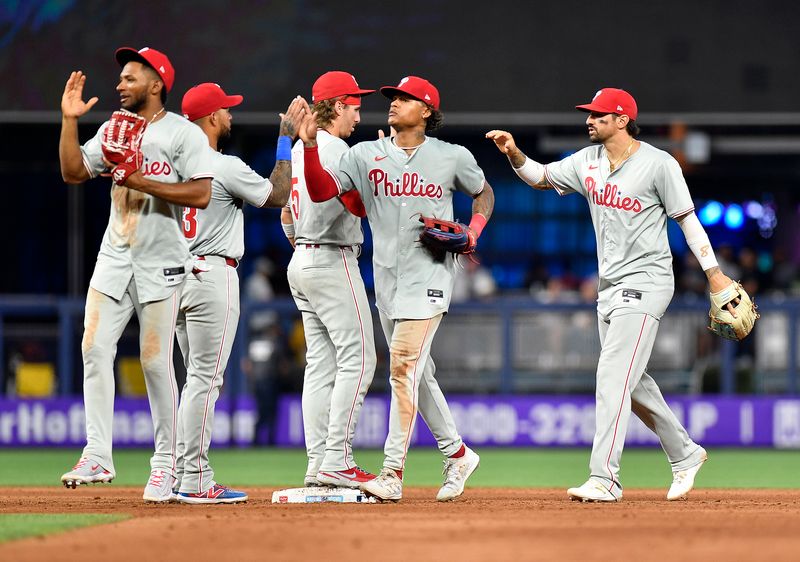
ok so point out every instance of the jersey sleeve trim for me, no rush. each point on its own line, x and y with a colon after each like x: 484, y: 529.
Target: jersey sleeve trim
x: 683, y: 212
x: 270, y: 187
x: 201, y: 176
x: 562, y: 190
x: 87, y: 166
x: 335, y: 180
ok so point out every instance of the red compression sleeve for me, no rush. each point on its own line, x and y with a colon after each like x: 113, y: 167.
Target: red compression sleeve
x: 477, y: 223
x: 321, y: 186
x: 352, y: 200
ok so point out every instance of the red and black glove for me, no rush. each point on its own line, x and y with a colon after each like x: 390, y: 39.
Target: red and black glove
x: 440, y: 235
x: 122, y: 143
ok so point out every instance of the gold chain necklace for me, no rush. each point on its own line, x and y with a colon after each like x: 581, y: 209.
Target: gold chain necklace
x: 159, y: 112
x: 408, y: 147
x: 613, y: 165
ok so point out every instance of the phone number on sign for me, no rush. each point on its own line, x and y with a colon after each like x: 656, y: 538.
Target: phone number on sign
x: 541, y: 424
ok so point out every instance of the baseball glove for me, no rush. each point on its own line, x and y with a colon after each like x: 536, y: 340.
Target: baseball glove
x: 122, y: 143
x: 440, y: 236
x: 722, y: 322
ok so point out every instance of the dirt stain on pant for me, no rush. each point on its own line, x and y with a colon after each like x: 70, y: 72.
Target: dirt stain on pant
x: 128, y: 204
x: 402, y: 362
x: 150, y: 346
x: 93, y: 301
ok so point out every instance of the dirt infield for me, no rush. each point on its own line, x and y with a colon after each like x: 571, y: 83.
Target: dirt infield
x: 487, y: 524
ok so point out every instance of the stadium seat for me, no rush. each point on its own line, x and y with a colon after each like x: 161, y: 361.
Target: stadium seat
x: 35, y: 380
x: 131, y: 377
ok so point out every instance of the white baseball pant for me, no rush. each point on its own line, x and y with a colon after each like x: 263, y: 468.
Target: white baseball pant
x: 414, y: 388
x: 206, y: 328
x: 340, y: 350
x: 104, y: 321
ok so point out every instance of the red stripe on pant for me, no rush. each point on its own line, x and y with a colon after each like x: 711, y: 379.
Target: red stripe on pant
x: 361, y: 375
x: 214, y: 378
x: 622, y: 401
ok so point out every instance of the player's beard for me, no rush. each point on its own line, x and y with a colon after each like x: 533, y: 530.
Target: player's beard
x: 135, y: 103
x: 224, y: 137
x: 596, y: 138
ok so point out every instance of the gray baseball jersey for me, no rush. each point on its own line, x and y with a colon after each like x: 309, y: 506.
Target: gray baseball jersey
x: 321, y: 223
x: 219, y: 228
x: 629, y: 209
x: 143, y: 239
x: 396, y: 188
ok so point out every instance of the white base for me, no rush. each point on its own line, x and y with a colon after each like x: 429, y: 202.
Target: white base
x: 320, y: 494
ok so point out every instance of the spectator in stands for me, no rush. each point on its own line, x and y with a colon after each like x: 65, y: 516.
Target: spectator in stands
x: 692, y: 280
x: 537, y: 276
x: 784, y: 272
x: 726, y: 258
x: 474, y: 282
x: 258, y: 289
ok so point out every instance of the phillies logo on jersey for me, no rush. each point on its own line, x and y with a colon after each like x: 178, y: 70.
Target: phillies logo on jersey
x: 609, y: 197
x: 409, y: 185
x: 156, y: 169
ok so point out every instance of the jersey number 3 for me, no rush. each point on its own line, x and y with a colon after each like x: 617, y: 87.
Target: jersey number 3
x: 295, y: 199
x: 189, y: 222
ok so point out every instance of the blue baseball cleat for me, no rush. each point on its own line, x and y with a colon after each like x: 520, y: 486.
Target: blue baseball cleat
x: 215, y: 494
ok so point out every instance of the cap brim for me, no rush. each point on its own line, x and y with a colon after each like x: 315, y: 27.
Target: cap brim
x: 590, y: 107
x: 233, y: 101
x: 361, y: 93
x: 391, y: 91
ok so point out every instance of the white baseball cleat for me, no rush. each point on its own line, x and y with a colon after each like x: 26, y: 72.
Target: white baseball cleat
x: 86, y: 471
x: 387, y: 486
x: 592, y: 491
x: 683, y: 480
x: 456, y: 472
x: 159, y: 487
x: 311, y: 482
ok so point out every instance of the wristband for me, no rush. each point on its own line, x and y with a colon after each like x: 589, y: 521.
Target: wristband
x: 284, y: 151
x: 477, y: 223
x: 531, y: 172
x: 288, y: 229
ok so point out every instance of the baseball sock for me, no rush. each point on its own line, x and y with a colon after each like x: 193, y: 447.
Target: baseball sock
x: 460, y: 453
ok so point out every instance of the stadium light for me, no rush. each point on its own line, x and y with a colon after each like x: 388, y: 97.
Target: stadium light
x: 734, y: 216
x: 711, y: 213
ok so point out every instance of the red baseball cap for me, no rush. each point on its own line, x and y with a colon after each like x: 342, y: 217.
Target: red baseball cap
x: 204, y: 99
x: 156, y: 60
x: 415, y: 87
x: 338, y: 83
x: 612, y: 100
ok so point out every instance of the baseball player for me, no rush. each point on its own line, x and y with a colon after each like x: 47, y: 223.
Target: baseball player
x: 399, y: 178
x: 327, y: 286
x: 209, y: 306
x: 631, y: 188
x: 143, y: 258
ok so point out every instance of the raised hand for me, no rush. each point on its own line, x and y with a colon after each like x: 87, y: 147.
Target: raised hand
x: 72, y: 104
x: 293, y: 118
x: 503, y: 140
x: 308, y: 129
x: 392, y: 133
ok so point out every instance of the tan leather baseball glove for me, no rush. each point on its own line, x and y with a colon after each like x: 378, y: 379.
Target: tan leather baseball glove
x: 725, y: 324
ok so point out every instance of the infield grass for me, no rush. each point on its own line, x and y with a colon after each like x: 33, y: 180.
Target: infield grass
x: 20, y: 525
x: 523, y: 468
